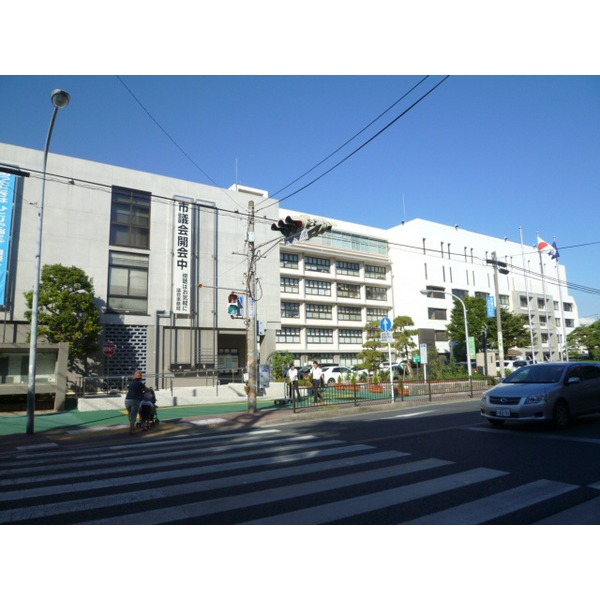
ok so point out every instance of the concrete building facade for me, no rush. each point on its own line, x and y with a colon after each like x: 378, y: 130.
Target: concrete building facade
x: 164, y: 255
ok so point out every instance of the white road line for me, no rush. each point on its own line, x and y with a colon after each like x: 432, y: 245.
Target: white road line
x: 335, y: 511
x: 497, y: 505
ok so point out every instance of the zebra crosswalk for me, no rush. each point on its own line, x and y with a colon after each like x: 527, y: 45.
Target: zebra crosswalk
x: 262, y: 476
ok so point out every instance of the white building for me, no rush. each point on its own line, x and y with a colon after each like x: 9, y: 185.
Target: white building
x: 164, y: 255
x: 333, y: 285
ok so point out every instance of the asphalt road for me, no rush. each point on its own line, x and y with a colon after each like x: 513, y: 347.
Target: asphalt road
x: 431, y: 464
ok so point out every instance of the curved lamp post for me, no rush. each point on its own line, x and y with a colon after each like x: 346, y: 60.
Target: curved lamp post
x: 426, y: 293
x: 60, y: 99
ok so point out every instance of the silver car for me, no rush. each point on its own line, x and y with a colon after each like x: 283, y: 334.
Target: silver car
x: 553, y: 392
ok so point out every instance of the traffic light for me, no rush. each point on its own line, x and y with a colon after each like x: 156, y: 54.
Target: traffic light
x: 300, y: 228
x: 234, y: 306
x: 290, y: 225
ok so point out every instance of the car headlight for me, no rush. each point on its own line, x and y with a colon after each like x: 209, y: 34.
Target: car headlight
x: 536, y: 398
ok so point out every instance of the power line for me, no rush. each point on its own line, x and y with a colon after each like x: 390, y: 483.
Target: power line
x: 352, y: 138
x: 367, y: 142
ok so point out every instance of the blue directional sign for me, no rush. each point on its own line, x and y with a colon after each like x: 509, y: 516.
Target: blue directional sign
x: 386, y: 324
x: 491, y: 306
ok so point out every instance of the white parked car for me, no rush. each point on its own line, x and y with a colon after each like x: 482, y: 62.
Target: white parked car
x: 335, y: 374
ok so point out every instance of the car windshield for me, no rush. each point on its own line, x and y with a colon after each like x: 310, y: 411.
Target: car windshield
x: 536, y: 374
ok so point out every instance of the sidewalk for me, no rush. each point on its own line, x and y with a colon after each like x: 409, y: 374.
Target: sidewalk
x: 52, y: 429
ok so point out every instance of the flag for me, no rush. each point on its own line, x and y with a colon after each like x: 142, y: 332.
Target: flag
x: 551, y: 249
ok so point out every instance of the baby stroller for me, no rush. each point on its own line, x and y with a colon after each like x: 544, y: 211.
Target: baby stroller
x: 147, y: 415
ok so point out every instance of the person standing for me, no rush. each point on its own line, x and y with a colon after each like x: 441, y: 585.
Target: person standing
x: 293, y: 379
x: 135, y: 393
x: 316, y: 375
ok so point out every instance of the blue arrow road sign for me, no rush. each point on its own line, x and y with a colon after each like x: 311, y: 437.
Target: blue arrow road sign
x: 386, y: 324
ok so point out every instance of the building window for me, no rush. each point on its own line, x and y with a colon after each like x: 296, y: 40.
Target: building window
x: 319, y: 311
x: 348, y: 268
x: 130, y: 218
x: 375, y: 272
x: 290, y: 285
x: 523, y: 301
x: 321, y: 265
x: 436, y: 314
x: 460, y: 293
x: 317, y: 288
x: 288, y: 261
x: 441, y: 336
x: 434, y: 291
x: 348, y: 290
x: 128, y: 283
x: 541, y: 303
x: 376, y: 293
x: 504, y: 300
x: 569, y: 322
x: 350, y: 336
x: 376, y: 314
x: 290, y: 310
x: 481, y: 294
x: 349, y: 313
x: 288, y: 335
x: 319, y: 336
x: 567, y: 306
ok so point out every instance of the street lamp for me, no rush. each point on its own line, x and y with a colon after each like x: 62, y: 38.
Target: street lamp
x: 60, y: 99
x: 427, y: 292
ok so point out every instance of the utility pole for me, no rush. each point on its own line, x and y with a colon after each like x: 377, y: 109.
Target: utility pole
x: 251, y: 311
x: 498, y: 319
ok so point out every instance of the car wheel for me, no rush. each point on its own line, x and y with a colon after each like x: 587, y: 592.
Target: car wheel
x: 330, y: 381
x: 560, y: 415
x: 495, y: 422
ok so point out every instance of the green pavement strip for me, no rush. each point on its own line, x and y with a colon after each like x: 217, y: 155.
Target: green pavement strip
x: 17, y: 424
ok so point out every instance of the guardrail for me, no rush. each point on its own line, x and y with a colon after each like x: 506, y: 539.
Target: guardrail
x: 360, y: 393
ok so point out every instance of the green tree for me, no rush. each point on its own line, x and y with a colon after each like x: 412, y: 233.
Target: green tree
x: 67, y: 312
x: 403, y: 339
x: 514, y: 327
x: 587, y: 337
x: 372, y: 354
x: 280, y: 362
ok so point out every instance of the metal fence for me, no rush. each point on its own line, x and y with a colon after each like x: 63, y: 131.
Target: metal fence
x: 371, y: 393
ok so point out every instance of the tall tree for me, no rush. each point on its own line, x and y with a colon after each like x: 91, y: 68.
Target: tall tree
x: 403, y: 328
x: 67, y: 312
x: 514, y: 327
x: 372, y: 354
x: 586, y: 337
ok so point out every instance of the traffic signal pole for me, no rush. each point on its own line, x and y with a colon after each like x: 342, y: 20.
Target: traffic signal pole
x: 251, y: 350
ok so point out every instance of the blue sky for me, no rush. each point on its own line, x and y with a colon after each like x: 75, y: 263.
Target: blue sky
x: 492, y: 154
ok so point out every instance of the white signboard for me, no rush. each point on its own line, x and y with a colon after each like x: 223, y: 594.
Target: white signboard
x: 182, y: 259
x: 387, y: 337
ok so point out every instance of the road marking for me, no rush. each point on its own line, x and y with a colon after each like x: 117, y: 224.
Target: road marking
x: 334, y: 511
x: 497, y: 505
x: 423, y: 412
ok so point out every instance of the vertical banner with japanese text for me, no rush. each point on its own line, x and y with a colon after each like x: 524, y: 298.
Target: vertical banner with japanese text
x: 8, y: 185
x: 182, y: 259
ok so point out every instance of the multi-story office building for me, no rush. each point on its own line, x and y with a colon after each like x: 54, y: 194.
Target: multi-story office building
x: 333, y: 285
x: 149, y: 242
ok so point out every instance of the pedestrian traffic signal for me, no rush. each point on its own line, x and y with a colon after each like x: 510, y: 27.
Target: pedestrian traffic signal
x: 234, y: 305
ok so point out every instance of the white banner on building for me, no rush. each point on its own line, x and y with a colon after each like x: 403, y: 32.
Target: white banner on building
x: 182, y: 259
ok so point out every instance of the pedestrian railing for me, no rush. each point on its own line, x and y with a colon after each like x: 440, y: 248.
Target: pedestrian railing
x: 369, y: 393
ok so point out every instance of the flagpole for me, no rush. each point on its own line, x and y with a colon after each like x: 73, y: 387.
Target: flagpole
x: 533, y: 351
x: 562, y: 312
x: 544, y: 293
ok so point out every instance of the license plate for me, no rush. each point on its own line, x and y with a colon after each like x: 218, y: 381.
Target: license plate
x: 503, y: 412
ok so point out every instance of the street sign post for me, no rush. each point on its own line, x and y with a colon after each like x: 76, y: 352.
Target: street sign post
x: 387, y: 337
x: 109, y: 349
